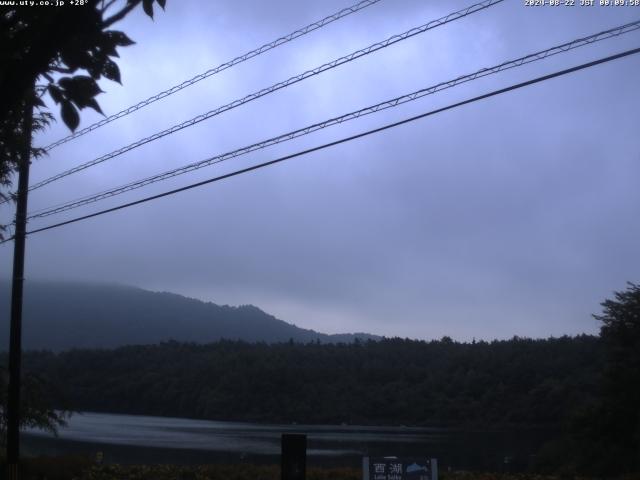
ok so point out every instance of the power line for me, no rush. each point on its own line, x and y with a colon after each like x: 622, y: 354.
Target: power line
x: 265, y: 91
x: 224, y: 66
x: 540, y: 55
x: 343, y: 140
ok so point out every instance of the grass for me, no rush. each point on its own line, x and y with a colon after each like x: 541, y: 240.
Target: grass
x: 76, y: 467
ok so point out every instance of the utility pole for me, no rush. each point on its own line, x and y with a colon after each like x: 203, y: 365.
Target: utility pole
x: 15, y: 335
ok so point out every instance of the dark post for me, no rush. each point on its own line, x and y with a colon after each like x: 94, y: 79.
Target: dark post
x: 15, y: 334
x: 294, y: 456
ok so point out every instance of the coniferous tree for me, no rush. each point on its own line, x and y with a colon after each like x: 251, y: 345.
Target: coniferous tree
x: 619, y: 413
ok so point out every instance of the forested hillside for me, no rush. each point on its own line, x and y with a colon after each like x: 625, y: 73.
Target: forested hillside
x: 394, y: 381
x: 64, y: 315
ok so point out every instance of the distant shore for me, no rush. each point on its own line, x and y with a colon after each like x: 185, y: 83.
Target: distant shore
x: 36, y: 445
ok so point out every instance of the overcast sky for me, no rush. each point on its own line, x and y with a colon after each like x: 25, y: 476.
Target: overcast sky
x: 516, y: 215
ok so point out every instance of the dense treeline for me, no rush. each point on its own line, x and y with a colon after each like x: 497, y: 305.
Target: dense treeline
x: 587, y: 389
x: 394, y: 381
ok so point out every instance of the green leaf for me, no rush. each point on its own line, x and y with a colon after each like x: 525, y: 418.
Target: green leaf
x: 119, y: 38
x: 94, y: 70
x: 108, y: 45
x: 94, y: 104
x: 80, y: 88
x: 74, y: 59
x: 98, y: 60
x: 69, y: 115
x: 38, y: 102
x: 111, y: 71
x: 56, y: 93
x: 147, y: 6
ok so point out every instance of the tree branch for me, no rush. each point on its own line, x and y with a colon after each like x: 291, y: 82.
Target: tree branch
x: 61, y: 69
x: 107, y: 6
x: 121, y: 14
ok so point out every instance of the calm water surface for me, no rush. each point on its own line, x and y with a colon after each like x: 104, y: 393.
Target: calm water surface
x: 145, y: 439
x: 164, y: 432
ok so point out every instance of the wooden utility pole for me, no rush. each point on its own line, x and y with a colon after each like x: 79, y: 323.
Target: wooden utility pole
x: 15, y: 335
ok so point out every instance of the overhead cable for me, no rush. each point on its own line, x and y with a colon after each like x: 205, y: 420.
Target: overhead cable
x: 343, y: 140
x: 223, y: 66
x: 265, y: 91
x: 540, y: 55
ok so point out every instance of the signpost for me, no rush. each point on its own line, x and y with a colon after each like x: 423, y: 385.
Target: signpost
x: 394, y: 468
x: 294, y: 456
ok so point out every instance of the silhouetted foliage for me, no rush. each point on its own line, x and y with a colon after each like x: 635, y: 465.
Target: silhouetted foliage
x: 36, y: 409
x: 603, y: 435
x: 614, y: 430
x: 620, y: 334
x: 394, y: 381
x: 59, y: 51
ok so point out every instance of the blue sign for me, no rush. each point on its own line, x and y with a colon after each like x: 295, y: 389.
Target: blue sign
x: 394, y: 468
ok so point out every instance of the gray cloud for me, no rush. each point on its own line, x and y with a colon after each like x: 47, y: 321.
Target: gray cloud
x: 509, y: 216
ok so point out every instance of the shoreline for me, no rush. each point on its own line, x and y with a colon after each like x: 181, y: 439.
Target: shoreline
x: 39, y: 445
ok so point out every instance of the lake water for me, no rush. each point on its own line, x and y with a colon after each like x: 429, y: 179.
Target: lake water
x: 145, y: 439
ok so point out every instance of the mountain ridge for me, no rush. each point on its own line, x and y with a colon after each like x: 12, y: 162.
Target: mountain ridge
x: 62, y: 315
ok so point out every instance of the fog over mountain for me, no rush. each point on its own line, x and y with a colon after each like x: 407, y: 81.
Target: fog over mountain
x: 64, y: 315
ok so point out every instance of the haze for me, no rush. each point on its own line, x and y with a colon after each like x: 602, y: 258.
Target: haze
x: 516, y: 215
